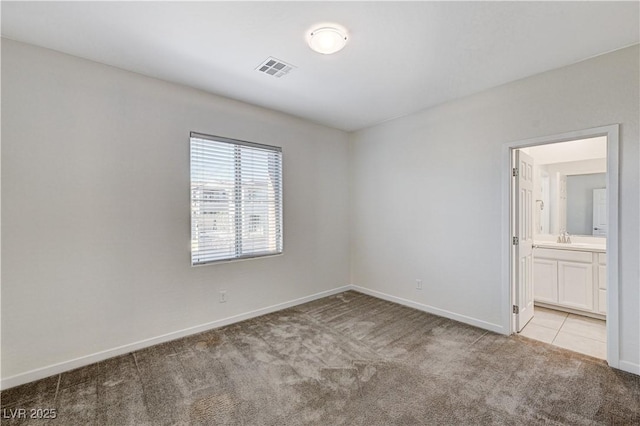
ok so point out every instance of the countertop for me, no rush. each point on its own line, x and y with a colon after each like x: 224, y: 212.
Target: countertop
x: 597, y: 248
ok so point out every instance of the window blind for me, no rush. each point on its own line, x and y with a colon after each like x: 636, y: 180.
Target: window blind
x: 236, y: 199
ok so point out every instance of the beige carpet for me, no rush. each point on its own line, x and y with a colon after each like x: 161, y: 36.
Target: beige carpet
x: 349, y: 359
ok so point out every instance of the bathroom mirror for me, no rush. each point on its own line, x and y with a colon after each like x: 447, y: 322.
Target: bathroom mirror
x: 572, y: 202
x: 586, y: 203
x: 569, y: 190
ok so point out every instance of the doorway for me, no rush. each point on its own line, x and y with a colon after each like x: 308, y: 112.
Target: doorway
x: 560, y: 260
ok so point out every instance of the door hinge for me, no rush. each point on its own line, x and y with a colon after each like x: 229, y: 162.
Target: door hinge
x: 515, y: 171
x: 516, y: 241
x: 516, y: 310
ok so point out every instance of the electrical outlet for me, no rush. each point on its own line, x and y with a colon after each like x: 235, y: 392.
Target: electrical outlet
x: 223, y: 296
x: 418, y: 284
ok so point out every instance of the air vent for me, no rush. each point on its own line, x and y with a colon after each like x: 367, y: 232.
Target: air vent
x: 274, y: 67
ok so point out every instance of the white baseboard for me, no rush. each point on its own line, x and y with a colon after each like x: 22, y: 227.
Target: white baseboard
x: 629, y: 367
x: 431, y: 309
x: 61, y: 367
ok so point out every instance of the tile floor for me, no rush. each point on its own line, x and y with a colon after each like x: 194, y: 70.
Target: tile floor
x: 574, y: 332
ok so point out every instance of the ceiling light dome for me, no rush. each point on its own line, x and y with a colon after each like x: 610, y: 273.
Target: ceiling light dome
x: 327, y: 39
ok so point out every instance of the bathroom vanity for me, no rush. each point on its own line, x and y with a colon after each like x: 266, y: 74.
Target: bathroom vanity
x: 570, y: 271
x: 571, y: 277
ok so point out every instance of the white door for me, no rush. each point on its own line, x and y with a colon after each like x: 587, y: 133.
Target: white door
x: 600, y: 212
x: 524, y: 234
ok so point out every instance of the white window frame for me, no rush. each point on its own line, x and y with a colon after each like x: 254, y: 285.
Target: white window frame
x: 238, y: 202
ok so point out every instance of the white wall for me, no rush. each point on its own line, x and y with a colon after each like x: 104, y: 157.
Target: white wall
x: 95, y: 210
x: 426, y: 189
x: 581, y: 167
x: 582, y: 149
x: 89, y: 267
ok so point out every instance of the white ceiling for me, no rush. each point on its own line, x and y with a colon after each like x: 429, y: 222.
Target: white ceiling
x: 401, y: 57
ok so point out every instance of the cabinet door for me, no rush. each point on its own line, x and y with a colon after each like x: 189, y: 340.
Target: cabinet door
x: 602, y: 301
x: 545, y: 280
x: 575, y: 285
x: 602, y: 277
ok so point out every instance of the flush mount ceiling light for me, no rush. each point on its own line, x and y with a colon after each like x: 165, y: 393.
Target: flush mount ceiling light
x: 327, y: 39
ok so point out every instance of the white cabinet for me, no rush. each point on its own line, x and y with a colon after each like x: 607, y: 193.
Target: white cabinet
x: 575, y: 285
x: 545, y: 280
x: 571, y: 279
x: 602, y: 283
x: 602, y: 301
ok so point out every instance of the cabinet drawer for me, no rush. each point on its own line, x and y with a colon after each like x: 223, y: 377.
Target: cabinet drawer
x: 602, y: 258
x: 602, y: 301
x: 568, y: 255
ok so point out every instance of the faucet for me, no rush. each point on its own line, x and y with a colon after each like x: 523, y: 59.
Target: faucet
x: 564, y: 238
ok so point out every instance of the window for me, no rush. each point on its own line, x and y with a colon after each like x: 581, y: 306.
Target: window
x: 236, y: 199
